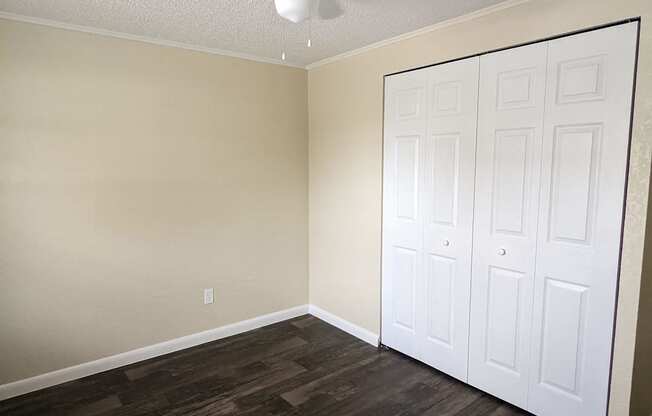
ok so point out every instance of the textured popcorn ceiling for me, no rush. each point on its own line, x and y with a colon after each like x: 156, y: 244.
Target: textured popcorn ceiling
x: 249, y: 27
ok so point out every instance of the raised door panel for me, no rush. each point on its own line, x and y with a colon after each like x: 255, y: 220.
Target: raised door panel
x: 447, y: 204
x: 440, y: 287
x: 406, y: 168
x: 409, y: 104
x: 584, y: 163
x: 405, y: 130
x: 562, y: 352
x: 510, y: 130
x: 504, y: 308
x: 575, y: 154
x: 404, y: 278
x: 444, y: 152
x: 511, y: 181
x: 447, y: 97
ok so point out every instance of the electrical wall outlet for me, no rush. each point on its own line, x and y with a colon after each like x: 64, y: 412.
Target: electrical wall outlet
x: 208, y: 296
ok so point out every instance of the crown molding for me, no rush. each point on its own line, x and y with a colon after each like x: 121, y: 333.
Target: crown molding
x: 145, y: 39
x: 222, y: 52
x: 437, y: 26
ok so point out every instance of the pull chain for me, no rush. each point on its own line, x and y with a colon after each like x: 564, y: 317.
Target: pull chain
x: 310, y: 30
x: 283, y: 41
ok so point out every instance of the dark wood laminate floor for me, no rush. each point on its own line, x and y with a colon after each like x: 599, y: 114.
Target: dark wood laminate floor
x: 298, y: 367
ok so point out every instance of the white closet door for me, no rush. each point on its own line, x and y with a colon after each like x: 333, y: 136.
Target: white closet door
x: 447, y: 202
x: 585, y: 144
x: 405, y: 129
x: 429, y: 166
x: 507, y: 201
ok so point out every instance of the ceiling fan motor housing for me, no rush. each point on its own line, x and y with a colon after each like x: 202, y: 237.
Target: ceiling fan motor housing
x: 294, y: 10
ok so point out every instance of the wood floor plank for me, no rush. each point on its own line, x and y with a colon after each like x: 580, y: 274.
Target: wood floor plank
x: 454, y: 397
x: 360, y: 392
x: 302, y: 366
x: 104, y: 405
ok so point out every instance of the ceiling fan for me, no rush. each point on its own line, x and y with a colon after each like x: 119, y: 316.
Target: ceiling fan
x: 297, y: 11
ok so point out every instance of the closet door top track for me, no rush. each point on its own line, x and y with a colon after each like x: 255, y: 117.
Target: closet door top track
x: 563, y: 35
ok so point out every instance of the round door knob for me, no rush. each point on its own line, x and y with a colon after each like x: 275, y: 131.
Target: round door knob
x: 502, y: 252
x: 446, y: 243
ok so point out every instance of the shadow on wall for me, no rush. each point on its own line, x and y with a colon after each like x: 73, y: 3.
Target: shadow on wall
x: 641, y: 402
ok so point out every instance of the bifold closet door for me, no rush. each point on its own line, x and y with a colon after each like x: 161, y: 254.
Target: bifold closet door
x: 429, y: 162
x: 510, y: 129
x: 402, y: 254
x: 585, y: 147
x: 544, y: 237
x: 447, y: 201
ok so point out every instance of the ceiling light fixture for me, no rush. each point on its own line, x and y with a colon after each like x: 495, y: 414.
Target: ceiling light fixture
x: 297, y: 11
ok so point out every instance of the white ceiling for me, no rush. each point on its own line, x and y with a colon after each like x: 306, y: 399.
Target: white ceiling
x: 249, y: 27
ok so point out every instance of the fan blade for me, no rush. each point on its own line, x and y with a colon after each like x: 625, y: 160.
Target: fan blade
x: 329, y: 9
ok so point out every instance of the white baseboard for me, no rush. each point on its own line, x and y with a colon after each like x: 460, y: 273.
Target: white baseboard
x: 64, y: 375
x: 344, y: 325
x: 42, y: 381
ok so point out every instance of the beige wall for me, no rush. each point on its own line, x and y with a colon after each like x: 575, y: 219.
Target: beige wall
x: 132, y: 176
x: 345, y: 111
